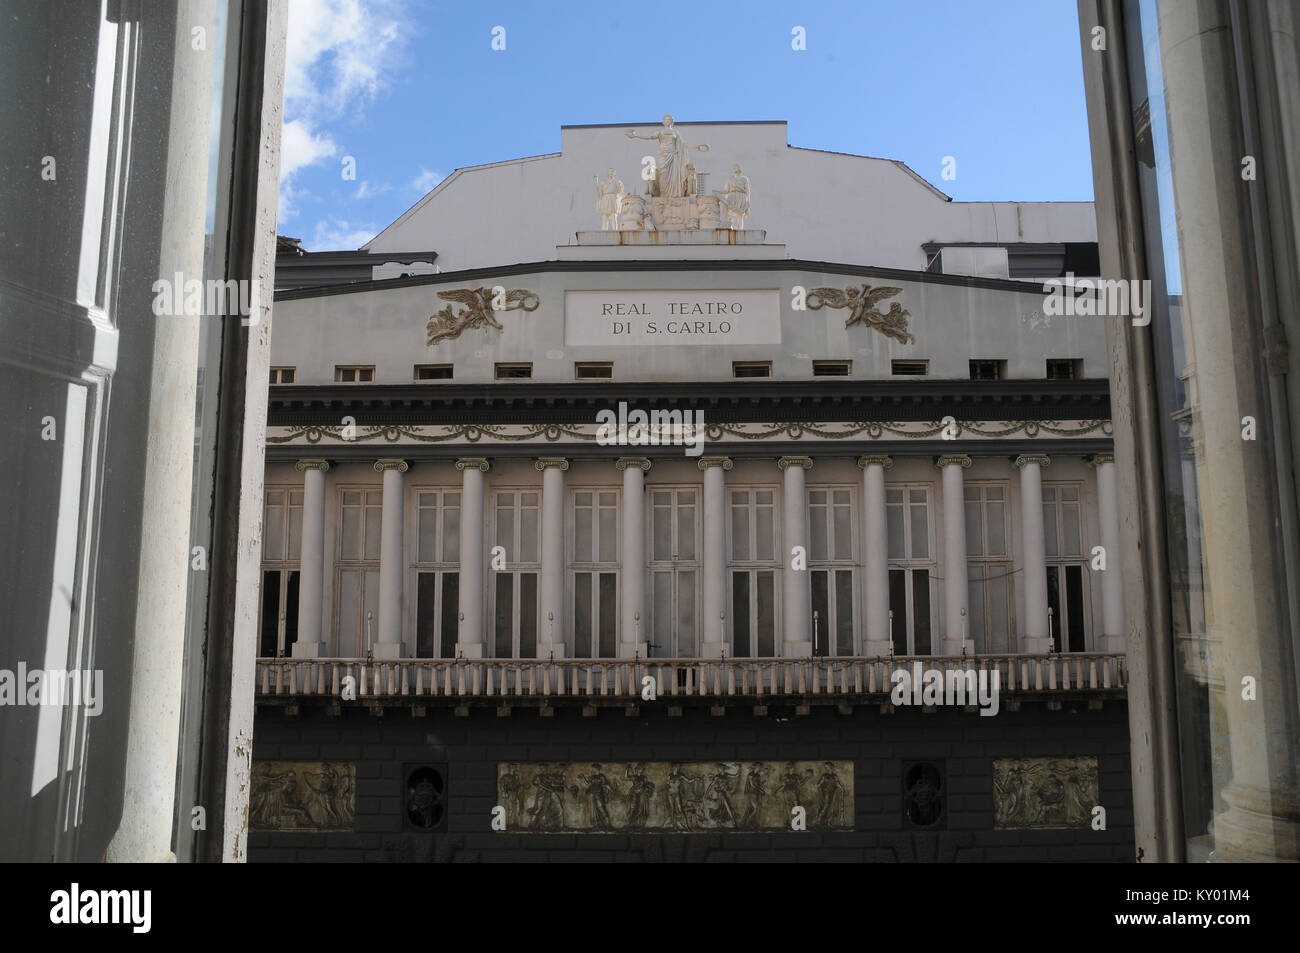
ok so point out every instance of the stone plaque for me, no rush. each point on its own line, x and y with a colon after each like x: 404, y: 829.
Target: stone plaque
x: 1044, y: 792
x: 302, y: 796
x: 662, y: 796
x: 683, y: 318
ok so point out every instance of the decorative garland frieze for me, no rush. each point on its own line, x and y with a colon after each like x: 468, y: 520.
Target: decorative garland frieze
x: 803, y: 430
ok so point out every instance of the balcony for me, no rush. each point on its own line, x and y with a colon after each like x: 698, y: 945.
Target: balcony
x: 591, y: 683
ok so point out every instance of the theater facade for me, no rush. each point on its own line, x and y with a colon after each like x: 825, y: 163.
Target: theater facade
x: 608, y: 493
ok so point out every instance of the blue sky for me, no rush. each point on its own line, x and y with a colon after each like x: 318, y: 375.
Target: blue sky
x: 412, y: 89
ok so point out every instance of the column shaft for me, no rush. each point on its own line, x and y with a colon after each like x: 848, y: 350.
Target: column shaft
x: 797, y: 634
x: 956, y: 593
x: 470, y: 636
x: 550, y: 640
x: 1112, y: 579
x: 714, y: 628
x: 631, y: 616
x: 1036, y: 636
x: 311, y: 578
x: 388, y: 640
x: 877, y: 555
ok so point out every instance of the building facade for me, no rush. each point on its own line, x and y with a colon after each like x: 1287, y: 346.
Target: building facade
x: 669, y: 451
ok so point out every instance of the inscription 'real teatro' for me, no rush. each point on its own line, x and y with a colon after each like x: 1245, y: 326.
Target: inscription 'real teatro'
x: 672, y: 317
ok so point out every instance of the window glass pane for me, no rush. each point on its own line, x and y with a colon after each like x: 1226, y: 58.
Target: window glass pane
x: 740, y: 614
x: 374, y: 525
x: 349, y: 598
x: 898, y: 609
x: 1070, y: 529
x: 273, y: 532
x: 686, y: 529
x: 1074, y: 606
x: 893, y: 496
x: 844, y: 612
x: 609, y: 498
x: 528, y: 533
x: 763, y: 497
x: 427, y: 530
x: 999, y: 594
x: 268, y: 644
x: 1050, y: 542
x: 816, y: 497
x: 764, y: 531
x: 451, y: 528
x: 608, y: 537
x: 351, y: 547
x: 504, y: 615
x: 970, y: 493
x: 662, y: 531
x: 921, y: 610
x: 739, y: 530
x: 1054, y: 604
x: 450, y: 613
x: 582, y: 615
x: 841, y: 497
x: 1070, y: 493
x: 528, y: 499
x: 528, y: 615
x: 662, y: 611
x: 997, y: 529
x: 817, y: 542
x: 506, y: 527
x: 974, y: 528
x: 821, y: 610
x: 582, y: 530
x: 608, y: 614
x: 370, y: 606
x: 582, y: 498
x: 843, y: 530
x: 975, y: 627
x: 920, y: 533
x: 994, y: 492
x: 291, y: 611
x: 897, y: 546
x: 294, y: 541
x: 766, y: 593
x: 426, y: 590
x: 916, y: 496
x: 686, y: 646
x: 352, y: 498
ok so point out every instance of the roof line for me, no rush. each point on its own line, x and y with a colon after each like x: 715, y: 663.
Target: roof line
x: 657, y: 122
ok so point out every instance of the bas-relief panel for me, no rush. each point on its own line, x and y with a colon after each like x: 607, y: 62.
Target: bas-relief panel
x: 302, y: 796
x: 1044, y: 792
x: 675, y: 796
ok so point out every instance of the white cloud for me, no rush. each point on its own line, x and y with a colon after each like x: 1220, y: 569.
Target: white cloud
x: 426, y: 180
x: 339, y: 56
x: 335, y: 234
x: 365, y: 190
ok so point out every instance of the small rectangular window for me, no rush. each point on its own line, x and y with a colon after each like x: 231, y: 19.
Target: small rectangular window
x: 352, y: 374
x: 433, y: 372
x: 832, y: 368
x: 909, y: 368
x: 593, y: 370
x: 282, y: 375
x: 751, y: 368
x: 512, y: 371
x: 1064, y: 369
x: 984, y: 370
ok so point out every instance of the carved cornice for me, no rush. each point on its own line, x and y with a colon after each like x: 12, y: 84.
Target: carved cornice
x: 622, y: 463
x: 1041, y: 459
x: 705, y: 462
x: 401, y: 466
x: 953, y: 460
x: 473, y: 463
x: 543, y: 463
x: 322, y: 465
x: 1099, y: 458
x: 875, y: 459
x: 804, y: 462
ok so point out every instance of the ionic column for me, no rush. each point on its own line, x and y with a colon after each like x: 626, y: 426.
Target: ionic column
x: 388, y: 643
x: 1036, y: 637
x: 797, y: 633
x: 1112, y: 582
x: 311, y: 568
x: 470, y: 635
x: 713, y: 592
x: 631, y: 615
x: 550, y: 638
x: 956, y: 594
x: 877, y: 641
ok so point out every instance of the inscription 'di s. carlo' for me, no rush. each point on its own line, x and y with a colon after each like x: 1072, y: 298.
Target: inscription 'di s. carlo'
x: 689, y: 318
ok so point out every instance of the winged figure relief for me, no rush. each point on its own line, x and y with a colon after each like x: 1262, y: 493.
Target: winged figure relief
x: 861, y: 303
x: 476, y: 312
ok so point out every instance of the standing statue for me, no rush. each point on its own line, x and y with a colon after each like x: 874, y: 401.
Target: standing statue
x: 735, y: 200
x: 671, y: 163
x: 609, y: 195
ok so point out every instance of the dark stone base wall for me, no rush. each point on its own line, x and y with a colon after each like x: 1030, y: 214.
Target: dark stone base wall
x: 878, y: 744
